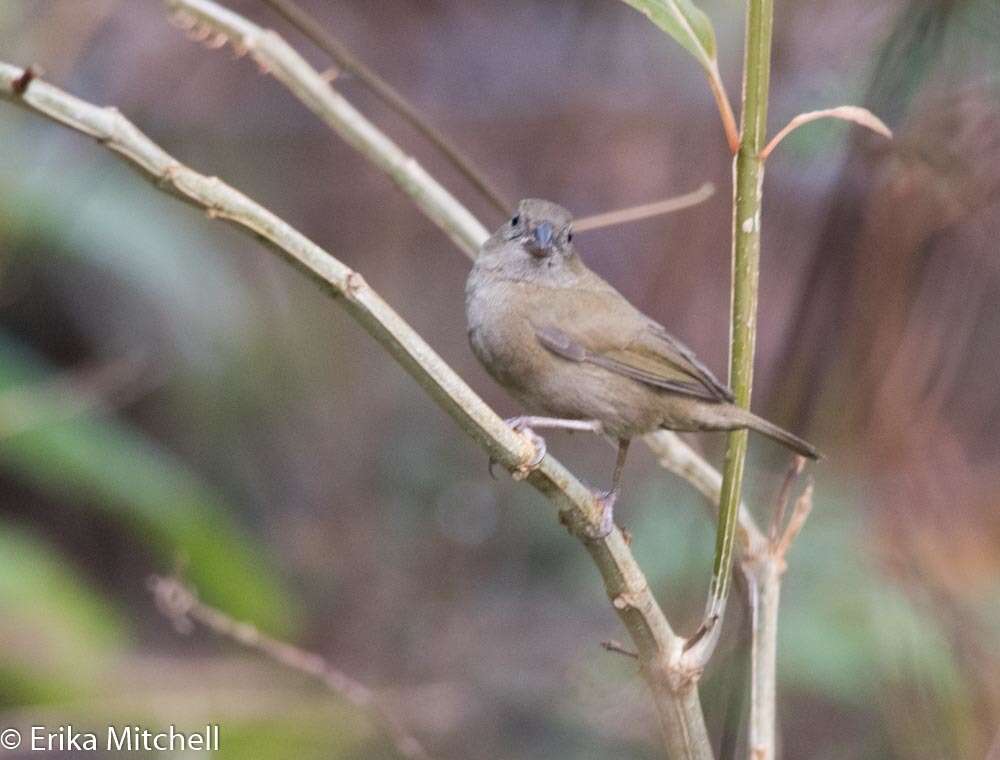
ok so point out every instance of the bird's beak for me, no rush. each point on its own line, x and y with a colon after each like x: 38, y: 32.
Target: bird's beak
x: 541, y: 239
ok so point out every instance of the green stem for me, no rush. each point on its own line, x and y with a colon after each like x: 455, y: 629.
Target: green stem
x: 747, y: 182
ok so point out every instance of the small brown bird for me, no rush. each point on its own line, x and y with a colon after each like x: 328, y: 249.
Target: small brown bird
x: 570, y: 346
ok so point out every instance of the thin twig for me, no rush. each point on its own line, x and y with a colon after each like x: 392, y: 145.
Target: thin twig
x: 346, y: 60
x: 618, y: 648
x: 635, y: 213
x: 181, y: 606
x: 781, y: 503
x: 660, y: 649
x: 800, y: 512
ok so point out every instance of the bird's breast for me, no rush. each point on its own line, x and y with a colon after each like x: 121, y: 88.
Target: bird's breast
x: 501, y: 332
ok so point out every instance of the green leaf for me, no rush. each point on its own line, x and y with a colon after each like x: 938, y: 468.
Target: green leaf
x: 106, y: 466
x: 59, y: 634
x: 683, y: 21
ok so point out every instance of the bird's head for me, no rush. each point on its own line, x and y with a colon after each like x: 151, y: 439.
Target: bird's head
x: 541, y: 227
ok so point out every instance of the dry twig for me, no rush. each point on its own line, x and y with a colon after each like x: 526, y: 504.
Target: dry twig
x: 181, y: 606
x: 618, y: 648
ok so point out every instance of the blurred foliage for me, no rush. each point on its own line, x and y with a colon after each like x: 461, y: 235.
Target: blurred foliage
x: 117, y: 470
x: 59, y: 633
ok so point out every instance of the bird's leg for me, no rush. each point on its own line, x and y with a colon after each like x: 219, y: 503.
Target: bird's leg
x: 526, y: 425
x: 607, y: 499
x: 522, y: 423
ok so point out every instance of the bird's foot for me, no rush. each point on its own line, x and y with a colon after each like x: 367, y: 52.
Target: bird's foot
x: 519, y: 424
x: 606, y: 500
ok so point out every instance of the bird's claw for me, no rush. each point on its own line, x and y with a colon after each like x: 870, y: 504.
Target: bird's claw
x: 606, y: 500
x: 538, y: 443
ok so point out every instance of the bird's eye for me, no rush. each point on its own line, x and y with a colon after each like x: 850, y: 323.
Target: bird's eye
x: 569, y: 237
x: 515, y: 220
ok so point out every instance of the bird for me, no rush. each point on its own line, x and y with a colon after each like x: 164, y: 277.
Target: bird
x: 579, y: 356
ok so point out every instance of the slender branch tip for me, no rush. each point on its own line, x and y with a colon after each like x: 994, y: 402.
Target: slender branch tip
x: 646, y: 210
x: 618, y: 648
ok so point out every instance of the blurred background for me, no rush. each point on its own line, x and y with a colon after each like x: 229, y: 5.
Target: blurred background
x: 173, y: 397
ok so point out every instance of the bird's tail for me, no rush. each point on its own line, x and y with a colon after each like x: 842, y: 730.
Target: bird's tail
x: 781, y: 435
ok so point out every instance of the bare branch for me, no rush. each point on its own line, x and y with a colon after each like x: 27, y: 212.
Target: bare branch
x: 181, y: 606
x: 659, y: 648
x: 346, y: 60
x: 635, y: 213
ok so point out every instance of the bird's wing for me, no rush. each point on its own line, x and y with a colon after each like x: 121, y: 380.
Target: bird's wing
x: 641, y: 350
x: 677, y: 352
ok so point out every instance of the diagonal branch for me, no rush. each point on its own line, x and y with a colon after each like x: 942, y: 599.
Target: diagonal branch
x: 181, y: 606
x: 659, y: 648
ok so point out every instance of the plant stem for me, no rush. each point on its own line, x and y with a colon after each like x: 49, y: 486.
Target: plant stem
x: 747, y: 184
x: 765, y: 594
x: 763, y: 568
x: 725, y: 110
